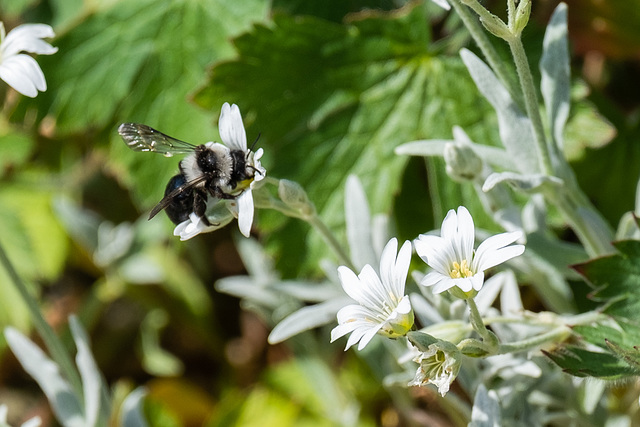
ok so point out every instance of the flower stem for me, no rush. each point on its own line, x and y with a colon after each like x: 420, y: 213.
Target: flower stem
x: 478, y: 324
x: 52, y: 342
x: 294, y: 203
x: 331, y: 240
x: 531, y: 103
x: 555, y: 335
x: 491, y: 55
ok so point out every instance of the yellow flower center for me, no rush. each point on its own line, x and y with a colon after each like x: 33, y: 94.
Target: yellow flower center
x: 460, y: 270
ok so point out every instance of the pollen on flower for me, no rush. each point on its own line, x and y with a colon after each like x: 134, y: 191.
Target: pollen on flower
x: 460, y: 270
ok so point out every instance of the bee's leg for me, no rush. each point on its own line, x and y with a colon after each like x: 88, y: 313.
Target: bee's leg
x: 222, y: 195
x: 200, y: 206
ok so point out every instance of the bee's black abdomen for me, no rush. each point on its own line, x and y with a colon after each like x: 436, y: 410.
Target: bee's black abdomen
x: 182, y: 204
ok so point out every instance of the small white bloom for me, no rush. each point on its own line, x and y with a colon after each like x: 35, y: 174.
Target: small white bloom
x: 19, y: 70
x: 439, y: 365
x: 443, y: 4
x: 194, y: 225
x: 453, y: 259
x: 233, y: 135
x: 382, y: 305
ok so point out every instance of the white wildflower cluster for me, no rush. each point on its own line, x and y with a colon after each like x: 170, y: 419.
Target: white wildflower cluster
x: 384, y: 308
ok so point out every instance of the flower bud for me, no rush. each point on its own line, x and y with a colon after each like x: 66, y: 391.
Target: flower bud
x: 294, y: 196
x: 522, y: 16
x: 496, y: 26
x: 463, y: 164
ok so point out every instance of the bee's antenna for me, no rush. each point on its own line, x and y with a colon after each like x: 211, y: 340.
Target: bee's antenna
x: 253, y: 145
x: 254, y: 169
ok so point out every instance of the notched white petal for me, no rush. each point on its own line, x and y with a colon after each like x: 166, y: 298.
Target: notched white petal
x: 231, y: 127
x: 383, y: 308
x: 21, y: 71
x: 245, y: 212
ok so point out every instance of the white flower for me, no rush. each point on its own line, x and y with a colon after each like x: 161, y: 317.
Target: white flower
x: 453, y: 259
x: 19, y: 70
x: 234, y: 136
x: 443, y: 4
x: 194, y: 225
x: 439, y: 365
x: 383, y: 307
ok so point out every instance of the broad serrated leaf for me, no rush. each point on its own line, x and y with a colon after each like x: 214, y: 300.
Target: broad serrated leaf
x: 621, y: 341
x: 347, y: 94
x: 584, y: 363
x: 616, y: 279
x: 139, y: 62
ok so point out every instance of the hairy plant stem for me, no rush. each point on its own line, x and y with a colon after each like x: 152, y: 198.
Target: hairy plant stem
x: 331, y: 240
x: 56, y: 349
x: 478, y: 324
x: 307, y: 212
x: 592, y: 230
x: 491, y: 55
x: 531, y: 103
x: 555, y: 335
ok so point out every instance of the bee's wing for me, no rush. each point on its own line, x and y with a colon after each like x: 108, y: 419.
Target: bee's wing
x: 166, y: 200
x: 141, y: 137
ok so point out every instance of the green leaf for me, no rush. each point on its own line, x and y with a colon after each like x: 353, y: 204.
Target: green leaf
x: 339, y: 99
x: 556, y: 73
x: 31, y: 234
x: 421, y: 339
x: 65, y: 404
x: 586, y: 128
x: 516, y: 131
x: 132, y: 414
x: 315, y: 387
x: 616, y: 279
x: 583, y: 363
x: 486, y: 408
x: 306, y: 318
x: 138, y: 62
x: 15, y: 149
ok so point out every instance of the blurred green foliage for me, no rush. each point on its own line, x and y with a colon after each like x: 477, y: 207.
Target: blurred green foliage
x: 331, y: 88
